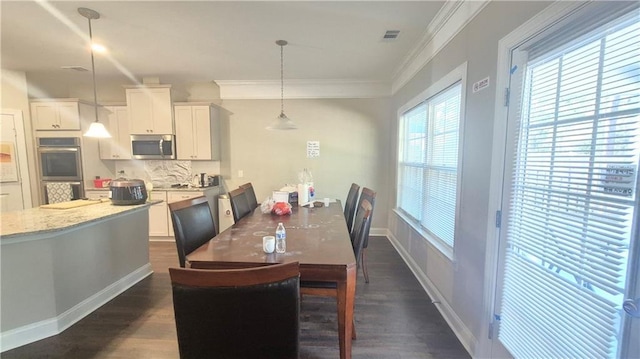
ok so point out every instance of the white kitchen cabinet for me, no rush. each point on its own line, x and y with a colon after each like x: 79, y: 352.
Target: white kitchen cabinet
x: 158, y: 221
x: 175, y: 197
x: 96, y: 194
x: 197, y: 132
x: 55, y: 115
x: 118, y: 147
x: 150, y: 110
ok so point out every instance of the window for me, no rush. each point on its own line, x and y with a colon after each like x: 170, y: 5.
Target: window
x: 573, y: 197
x: 428, y: 161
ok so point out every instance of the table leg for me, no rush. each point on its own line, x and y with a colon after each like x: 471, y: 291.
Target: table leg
x: 346, y: 301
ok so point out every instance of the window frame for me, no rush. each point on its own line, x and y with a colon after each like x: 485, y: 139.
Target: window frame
x: 455, y: 76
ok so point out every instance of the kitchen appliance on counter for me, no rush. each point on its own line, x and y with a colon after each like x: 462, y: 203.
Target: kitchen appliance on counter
x: 153, y: 147
x: 127, y: 191
x: 203, y: 180
x: 60, y: 169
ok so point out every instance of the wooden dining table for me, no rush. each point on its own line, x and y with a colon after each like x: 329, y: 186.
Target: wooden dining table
x: 317, y: 238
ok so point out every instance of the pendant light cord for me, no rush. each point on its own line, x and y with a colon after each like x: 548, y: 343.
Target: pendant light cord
x: 281, y: 79
x: 93, y: 72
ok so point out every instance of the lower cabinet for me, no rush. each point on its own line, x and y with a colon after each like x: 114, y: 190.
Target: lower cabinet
x: 158, y: 221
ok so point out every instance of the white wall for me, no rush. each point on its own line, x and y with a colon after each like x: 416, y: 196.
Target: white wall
x: 458, y: 284
x: 353, y: 135
x: 14, y: 96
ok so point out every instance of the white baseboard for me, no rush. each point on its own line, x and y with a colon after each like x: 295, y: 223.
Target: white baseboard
x: 455, y: 323
x: 45, y: 328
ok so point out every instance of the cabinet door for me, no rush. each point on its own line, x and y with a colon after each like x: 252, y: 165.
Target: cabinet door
x: 45, y: 116
x: 158, y: 221
x: 162, y: 111
x: 184, y: 133
x: 175, y: 197
x: 118, y: 147
x: 69, y: 116
x: 202, y: 132
x: 140, y: 117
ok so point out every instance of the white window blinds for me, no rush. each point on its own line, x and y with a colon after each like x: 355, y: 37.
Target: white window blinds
x: 574, y: 198
x: 428, y: 163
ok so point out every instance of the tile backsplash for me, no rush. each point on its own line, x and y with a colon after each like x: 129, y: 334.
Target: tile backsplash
x: 166, y: 173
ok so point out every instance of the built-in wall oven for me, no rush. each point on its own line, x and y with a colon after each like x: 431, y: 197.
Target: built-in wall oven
x: 60, y: 169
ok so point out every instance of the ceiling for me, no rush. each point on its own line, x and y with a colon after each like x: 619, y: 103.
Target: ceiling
x: 201, y: 41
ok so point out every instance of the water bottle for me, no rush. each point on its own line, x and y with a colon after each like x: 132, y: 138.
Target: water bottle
x: 281, y: 238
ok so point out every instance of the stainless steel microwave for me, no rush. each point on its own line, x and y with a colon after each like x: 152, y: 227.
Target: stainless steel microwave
x: 153, y: 147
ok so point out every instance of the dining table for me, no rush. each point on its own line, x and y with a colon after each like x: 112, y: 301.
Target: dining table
x: 317, y: 238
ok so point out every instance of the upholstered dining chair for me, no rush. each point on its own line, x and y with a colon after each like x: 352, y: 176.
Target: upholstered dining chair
x: 251, y: 195
x: 328, y: 289
x: 370, y: 196
x: 193, y: 225
x: 239, y: 204
x: 350, y: 205
x: 237, y: 313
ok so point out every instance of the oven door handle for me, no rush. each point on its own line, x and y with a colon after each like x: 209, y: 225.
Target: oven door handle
x: 160, y: 143
x: 58, y: 149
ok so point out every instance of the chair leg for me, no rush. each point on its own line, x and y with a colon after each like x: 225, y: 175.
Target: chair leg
x: 364, y: 265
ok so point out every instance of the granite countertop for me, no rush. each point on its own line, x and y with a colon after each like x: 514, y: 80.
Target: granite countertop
x: 38, y: 220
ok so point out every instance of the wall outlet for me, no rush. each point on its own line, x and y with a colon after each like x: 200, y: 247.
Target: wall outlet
x: 240, y: 173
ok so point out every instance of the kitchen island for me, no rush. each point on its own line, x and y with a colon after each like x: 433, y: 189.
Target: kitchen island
x: 59, y: 265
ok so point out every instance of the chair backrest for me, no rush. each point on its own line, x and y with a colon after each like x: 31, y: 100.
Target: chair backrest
x: 239, y: 203
x: 368, y: 195
x: 350, y: 205
x: 193, y: 225
x: 237, y: 313
x: 251, y: 195
x: 361, y: 228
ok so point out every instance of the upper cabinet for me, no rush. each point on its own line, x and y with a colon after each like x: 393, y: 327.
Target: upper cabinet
x: 118, y: 147
x: 55, y: 114
x: 150, y: 110
x: 197, y: 132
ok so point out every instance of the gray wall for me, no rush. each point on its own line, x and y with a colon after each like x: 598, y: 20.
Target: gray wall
x: 461, y: 281
x: 354, y: 146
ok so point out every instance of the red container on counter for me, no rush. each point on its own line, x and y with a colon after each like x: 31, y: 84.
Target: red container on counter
x: 101, y: 182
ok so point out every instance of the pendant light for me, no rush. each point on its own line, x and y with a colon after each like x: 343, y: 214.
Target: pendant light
x: 96, y: 129
x: 282, y: 122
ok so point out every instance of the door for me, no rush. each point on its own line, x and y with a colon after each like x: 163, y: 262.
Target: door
x: 567, y: 277
x: 15, y: 191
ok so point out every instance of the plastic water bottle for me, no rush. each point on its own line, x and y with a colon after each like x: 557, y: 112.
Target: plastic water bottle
x: 281, y: 238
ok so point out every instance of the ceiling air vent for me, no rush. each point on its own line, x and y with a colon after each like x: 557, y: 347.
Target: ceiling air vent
x: 391, y: 34
x: 74, y: 68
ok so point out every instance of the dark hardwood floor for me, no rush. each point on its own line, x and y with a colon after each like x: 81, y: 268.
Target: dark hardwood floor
x: 394, y: 318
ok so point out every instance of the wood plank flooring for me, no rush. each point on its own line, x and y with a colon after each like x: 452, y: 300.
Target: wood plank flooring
x: 395, y: 319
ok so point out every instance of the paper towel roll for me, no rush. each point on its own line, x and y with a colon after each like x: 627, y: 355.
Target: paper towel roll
x: 303, y: 194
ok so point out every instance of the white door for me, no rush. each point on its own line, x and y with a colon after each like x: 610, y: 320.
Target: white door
x: 569, y: 257
x: 14, y: 179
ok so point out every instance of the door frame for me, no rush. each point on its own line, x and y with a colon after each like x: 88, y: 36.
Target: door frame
x: 21, y: 155
x: 552, y: 14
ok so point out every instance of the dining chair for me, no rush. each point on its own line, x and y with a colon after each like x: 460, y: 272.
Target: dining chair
x: 369, y: 195
x: 329, y: 289
x: 237, y: 313
x: 350, y: 205
x: 251, y: 195
x: 239, y: 204
x: 193, y: 225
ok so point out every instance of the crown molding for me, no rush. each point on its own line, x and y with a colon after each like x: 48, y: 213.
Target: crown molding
x: 452, y: 17
x: 302, y: 89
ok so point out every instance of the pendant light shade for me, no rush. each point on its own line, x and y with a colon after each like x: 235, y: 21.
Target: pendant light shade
x: 96, y: 129
x: 282, y: 122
